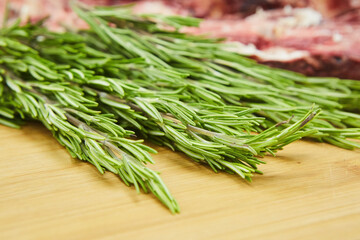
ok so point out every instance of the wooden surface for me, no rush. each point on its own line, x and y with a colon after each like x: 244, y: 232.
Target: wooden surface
x: 310, y: 191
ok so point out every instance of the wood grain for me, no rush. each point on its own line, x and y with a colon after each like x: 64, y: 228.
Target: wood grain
x: 310, y: 191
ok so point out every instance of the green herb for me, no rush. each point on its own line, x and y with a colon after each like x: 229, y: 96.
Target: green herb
x: 215, y: 74
x: 85, y: 132
x: 188, y: 93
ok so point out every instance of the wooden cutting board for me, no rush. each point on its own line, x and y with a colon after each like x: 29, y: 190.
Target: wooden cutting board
x: 310, y: 191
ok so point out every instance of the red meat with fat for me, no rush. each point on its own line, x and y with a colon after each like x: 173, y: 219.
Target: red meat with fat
x: 298, y: 39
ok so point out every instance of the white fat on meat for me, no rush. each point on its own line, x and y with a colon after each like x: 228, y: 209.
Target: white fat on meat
x: 289, y: 17
x: 302, y: 17
x: 337, y: 37
x: 270, y: 54
x: 275, y: 23
x: 151, y: 7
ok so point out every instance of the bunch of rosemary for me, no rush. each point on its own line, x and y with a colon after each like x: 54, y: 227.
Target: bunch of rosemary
x: 185, y: 92
x: 216, y: 75
x: 35, y: 88
x: 163, y: 115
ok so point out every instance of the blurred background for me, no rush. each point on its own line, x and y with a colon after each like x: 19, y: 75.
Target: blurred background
x: 313, y: 37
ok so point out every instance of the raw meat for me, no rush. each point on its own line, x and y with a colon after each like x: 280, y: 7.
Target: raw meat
x: 297, y: 39
x: 320, y: 42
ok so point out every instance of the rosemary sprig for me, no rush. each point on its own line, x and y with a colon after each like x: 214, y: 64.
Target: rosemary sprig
x: 220, y: 151
x: 217, y: 75
x: 86, y: 133
x: 204, y: 132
